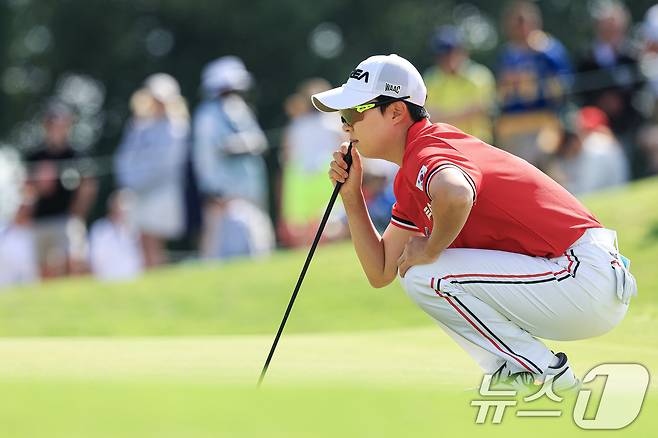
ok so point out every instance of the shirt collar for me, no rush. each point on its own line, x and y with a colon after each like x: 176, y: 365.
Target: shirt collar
x: 414, y: 130
x: 412, y: 133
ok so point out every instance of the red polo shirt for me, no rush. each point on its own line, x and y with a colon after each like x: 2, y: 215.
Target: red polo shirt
x: 517, y: 207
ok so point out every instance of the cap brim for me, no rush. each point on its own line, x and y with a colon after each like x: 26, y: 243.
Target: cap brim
x: 340, y: 98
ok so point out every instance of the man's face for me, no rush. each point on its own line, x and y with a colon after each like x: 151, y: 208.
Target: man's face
x: 370, y: 133
x: 611, y: 29
x: 57, y: 130
x: 519, y: 25
x: 452, y: 61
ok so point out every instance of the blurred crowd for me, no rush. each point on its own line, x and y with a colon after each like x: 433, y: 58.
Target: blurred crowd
x: 588, y: 118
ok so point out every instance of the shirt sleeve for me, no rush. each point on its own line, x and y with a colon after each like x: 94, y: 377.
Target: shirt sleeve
x: 400, y: 220
x: 205, y: 150
x: 432, y: 160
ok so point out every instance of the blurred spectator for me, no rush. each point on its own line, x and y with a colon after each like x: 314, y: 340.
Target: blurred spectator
x: 648, y: 140
x: 648, y: 134
x: 648, y: 62
x: 236, y: 228
x: 228, y: 148
x: 65, y: 191
x: 18, y: 256
x: 150, y: 161
x: 589, y: 157
x: 115, y: 249
x: 228, y: 142
x: 378, y: 176
x: 308, y: 143
x: 12, y: 183
x: 608, y: 75
x: 533, y: 76
x: 460, y: 91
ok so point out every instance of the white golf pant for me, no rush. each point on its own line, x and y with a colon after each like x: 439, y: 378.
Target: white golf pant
x: 495, y: 304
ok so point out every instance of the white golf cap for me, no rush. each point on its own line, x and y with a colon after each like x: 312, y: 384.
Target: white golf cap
x: 381, y: 75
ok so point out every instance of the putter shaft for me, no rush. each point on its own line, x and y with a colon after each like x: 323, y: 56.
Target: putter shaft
x: 348, y: 158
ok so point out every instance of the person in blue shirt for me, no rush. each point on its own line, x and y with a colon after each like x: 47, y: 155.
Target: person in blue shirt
x: 228, y: 148
x: 228, y: 142
x: 534, y: 76
x: 150, y: 161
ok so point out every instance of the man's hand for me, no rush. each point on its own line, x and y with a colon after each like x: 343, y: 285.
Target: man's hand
x: 452, y: 199
x: 338, y: 172
x: 414, y: 254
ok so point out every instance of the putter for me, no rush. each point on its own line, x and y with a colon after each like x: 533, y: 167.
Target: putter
x: 348, y: 158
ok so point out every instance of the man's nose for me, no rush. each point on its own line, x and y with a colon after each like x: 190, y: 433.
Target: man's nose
x: 347, y: 128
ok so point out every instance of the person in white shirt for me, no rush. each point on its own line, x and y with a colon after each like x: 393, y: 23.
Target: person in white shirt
x: 150, y: 161
x: 18, y: 255
x: 115, y: 251
x: 590, y: 158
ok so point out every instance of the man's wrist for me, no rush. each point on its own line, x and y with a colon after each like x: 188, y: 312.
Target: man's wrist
x: 432, y: 257
x: 431, y: 252
x: 352, y: 198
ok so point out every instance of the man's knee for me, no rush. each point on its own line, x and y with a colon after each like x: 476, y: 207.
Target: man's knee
x: 420, y: 283
x: 413, y: 283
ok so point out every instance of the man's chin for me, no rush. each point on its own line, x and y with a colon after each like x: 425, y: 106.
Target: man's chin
x: 362, y: 150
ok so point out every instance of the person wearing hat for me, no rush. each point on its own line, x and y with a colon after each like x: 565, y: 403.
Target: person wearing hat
x: 65, y: 190
x: 459, y: 91
x: 150, y: 162
x: 495, y: 251
x: 228, y: 148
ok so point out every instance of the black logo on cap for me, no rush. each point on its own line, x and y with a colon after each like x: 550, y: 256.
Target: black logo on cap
x: 359, y: 74
x: 393, y: 88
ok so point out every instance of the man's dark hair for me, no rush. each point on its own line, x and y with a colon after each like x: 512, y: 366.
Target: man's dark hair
x: 416, y: 112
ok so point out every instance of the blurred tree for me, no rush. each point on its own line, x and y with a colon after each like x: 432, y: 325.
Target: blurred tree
x: 118, y: 43
x: 5, y: 118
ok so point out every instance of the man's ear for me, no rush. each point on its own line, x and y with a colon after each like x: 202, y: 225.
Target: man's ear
x: 398, y: 110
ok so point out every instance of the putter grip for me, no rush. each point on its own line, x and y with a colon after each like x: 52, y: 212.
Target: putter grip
x: 348, y: 156
x: 348, y: 159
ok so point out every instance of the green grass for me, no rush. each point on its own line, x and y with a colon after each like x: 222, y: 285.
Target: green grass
x: 144, y: 409
x: 404, y: 382
x: 177, y: 353
x: 210, y: 299
x: 249, y: 297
